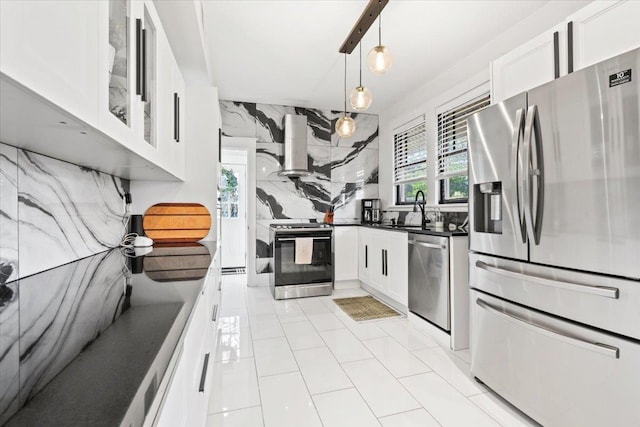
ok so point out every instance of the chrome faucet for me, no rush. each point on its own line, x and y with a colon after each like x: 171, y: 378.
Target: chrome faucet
x: 424, y: 202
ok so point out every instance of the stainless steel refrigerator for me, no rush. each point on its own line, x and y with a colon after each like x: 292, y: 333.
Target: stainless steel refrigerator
x: 554, y: 182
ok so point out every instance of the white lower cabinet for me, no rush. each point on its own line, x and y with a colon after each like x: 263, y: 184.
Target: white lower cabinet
x: 186, y: 400
x: 383, y: 262
x: 345, y: 250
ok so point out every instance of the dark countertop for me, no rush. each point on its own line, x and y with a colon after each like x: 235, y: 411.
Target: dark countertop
x: 407, y: 229
x: 93, y: 340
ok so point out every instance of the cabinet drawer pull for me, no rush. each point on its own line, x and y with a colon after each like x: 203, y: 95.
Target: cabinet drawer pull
x: 143, y: 60
x: 605, y: 350
x: 215, y: 313
x: 203, y: 377
x: 366, y: 256
x: 603, y: 291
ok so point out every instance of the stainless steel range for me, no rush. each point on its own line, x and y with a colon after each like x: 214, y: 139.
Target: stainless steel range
x: 303, y: 260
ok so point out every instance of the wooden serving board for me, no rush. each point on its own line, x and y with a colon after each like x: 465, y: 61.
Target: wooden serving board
x: 177, y: 222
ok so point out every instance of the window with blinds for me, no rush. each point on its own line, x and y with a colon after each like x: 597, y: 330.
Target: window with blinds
x: 452, y: 150
x: 410, y: 161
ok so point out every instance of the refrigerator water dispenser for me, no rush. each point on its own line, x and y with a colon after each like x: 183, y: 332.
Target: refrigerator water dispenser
x: 488, y: 207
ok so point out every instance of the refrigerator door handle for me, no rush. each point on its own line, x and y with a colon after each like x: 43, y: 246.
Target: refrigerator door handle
x: 518, y: 130
x: 603, y: 349
x: 532, y: 133
x: 603, y: 291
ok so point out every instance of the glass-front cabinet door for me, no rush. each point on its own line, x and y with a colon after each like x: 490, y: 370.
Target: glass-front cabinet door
x: 149, y: 77
x: 118, y: 50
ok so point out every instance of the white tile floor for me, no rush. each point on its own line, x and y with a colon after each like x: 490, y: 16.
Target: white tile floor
x: 304, y: 363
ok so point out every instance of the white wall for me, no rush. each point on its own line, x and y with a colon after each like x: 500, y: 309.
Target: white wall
x: 466, y: 76
x: 200, y: 186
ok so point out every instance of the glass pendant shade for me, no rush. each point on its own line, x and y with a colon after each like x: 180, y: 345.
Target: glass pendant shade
x: 360, y: 98
x: 345, y: 126
x: 379, y: 60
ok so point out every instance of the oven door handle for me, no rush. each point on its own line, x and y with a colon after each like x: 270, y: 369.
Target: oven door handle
x: 291, y: 239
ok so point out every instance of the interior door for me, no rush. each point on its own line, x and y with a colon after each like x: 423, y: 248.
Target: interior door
x: 495, y: 213
x: 589, y: 198
x: 233, y: 197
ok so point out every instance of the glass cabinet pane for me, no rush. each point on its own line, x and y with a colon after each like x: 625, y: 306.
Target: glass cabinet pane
x: 150, y: 103
x: 119, y: 59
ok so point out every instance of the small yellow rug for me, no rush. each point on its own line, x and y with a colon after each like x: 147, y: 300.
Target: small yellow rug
x: 365, y: 308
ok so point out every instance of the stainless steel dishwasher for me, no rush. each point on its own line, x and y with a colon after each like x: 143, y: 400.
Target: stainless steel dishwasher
x: 429, y: 279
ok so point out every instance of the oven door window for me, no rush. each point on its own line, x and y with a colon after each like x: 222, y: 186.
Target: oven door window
x: 287, y: 272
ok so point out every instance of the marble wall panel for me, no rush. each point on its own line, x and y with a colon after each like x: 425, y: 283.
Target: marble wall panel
x: 8, y: 213
x: 354, y: 165
x: 65, y: 212
x: 366, y: 135
x: 346, y: 198
x: 270, y: 121
x: 9, y: 350
x: 238, y: 118
x: 269, y: 161
x: 319, y: 127
x: 292, y: 199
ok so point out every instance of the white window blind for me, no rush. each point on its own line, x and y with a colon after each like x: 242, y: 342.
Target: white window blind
x: 452, y: 137
x: 410, y: 154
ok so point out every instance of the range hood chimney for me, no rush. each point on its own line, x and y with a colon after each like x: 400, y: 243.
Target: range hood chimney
x: 295, y: 146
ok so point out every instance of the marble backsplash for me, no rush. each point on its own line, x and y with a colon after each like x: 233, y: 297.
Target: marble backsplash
x: 344, y: 170
x: 53, y: 212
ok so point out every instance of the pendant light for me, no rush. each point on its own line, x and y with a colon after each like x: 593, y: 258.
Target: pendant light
x: 360, y: 96
x: 379, y: 60
x: 345, y: 126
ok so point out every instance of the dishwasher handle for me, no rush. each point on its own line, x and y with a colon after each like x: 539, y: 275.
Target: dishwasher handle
x: 427, y: 245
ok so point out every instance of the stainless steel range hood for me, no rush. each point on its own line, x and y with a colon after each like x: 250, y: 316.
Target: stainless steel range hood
x: 296, y: 162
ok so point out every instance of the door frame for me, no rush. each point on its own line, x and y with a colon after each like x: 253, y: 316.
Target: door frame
x: 247, y: 145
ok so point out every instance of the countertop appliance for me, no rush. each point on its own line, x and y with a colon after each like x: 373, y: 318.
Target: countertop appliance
x: 429, y: 295
x: 370, y: 211
x: 554, y: 204
x: 295, y: 280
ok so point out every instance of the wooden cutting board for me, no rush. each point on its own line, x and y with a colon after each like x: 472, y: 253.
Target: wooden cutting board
x: 177, y: 222
x: 176, y: 262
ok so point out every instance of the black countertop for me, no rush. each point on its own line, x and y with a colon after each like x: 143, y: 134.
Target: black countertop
x: 87, y: 343
x: 407, y: 229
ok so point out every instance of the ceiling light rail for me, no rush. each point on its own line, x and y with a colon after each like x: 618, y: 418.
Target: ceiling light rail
x: 367, y: 18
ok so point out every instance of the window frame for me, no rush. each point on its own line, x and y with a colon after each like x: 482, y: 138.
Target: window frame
x: 406, y: 128
x: 483, y: 99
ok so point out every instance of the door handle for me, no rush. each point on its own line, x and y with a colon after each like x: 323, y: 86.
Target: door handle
x: 570, y: 47
x: 138, y: 56
x: 603, y: 291
x: 532, y: 132
x: 386, y: 262
x: 518, y: 133
x: 382, y: 253
x: 203, y: 375
x: 143, y: 76
x: 176, y: 117
x: 427, y: 245
x: 556, y: 55
x: 605, y: 350
x: 366, y: 256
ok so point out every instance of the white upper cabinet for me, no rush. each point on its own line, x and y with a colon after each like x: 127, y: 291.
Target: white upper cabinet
x: 599, y: 31
x: 534, y: 63
x: 52, y: 48
x: 117, y: 71
x: 604, y: 29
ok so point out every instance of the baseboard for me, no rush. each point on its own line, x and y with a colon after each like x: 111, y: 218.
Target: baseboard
x: 346, y: 284
x: 389, y: 301
x: 443, y: 338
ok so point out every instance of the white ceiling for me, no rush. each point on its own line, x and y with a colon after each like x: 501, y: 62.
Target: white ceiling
x: 286, y: 52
